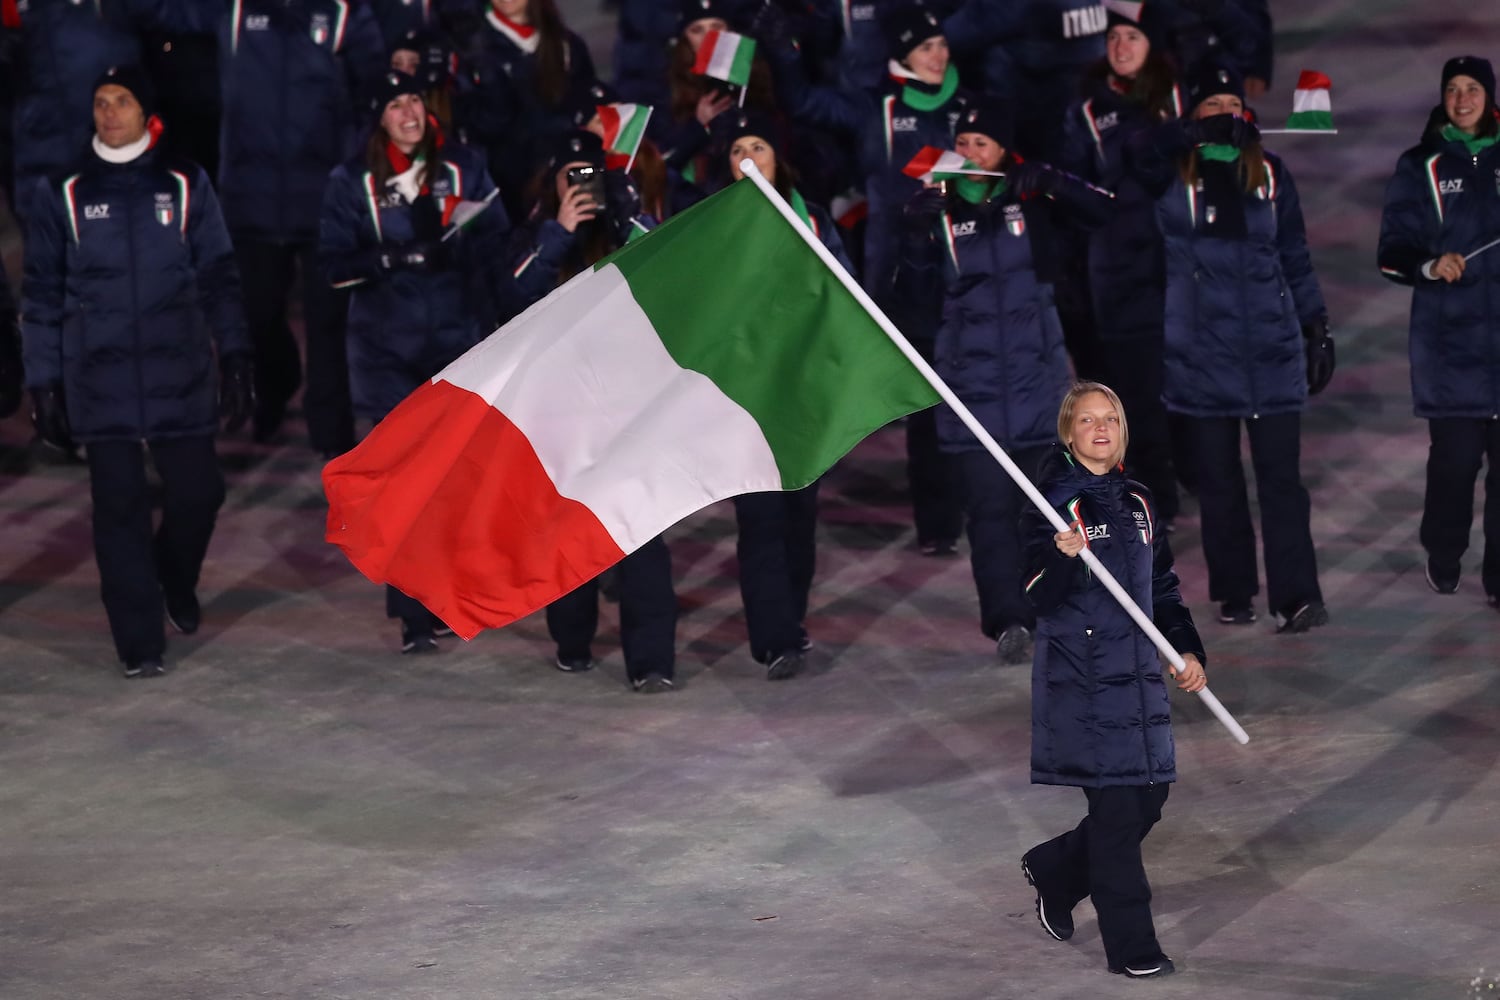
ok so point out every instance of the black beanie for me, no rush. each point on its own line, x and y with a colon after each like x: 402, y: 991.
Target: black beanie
x: 1471, y: 66
x: 133, y: 79
x: 1139, y: 14
x: 434, y: 57
x: 689, y: 11
x: 739, y: 123
x: 908, y: 26
x: 1210, y: 78
x: 391, y: 85
x: 578, y: 146
x: 991, y: 117
x: 582, y: 101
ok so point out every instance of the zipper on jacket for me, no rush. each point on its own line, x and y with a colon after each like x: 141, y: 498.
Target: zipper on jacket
x: 135, y: 303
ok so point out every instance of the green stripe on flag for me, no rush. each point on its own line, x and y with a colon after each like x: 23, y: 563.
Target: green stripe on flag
x: 744, y: 56
x: 632, y: 129
x: 735, y: 294
x: 1321, y: 121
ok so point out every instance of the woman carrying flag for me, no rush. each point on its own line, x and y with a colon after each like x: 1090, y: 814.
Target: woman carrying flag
x: 987, y: 246
x: 410, y: 229
x: 1246, y: 342
x: 1443, y: 205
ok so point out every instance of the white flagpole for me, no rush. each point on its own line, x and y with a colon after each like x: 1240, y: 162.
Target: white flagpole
x: 1475, y: 253
x: 1298, y: 131
x: 991, y: 445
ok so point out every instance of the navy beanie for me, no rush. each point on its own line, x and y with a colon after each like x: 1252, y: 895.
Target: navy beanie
x: 391, y: 85
x: 133, y: 79
x: 1471, y: 66
x: 1210, y: 78
x: 908, y: 26
x: 578, y: 146
x: 991, y: 117
x: 696, y: 10
x: 1139, y: 14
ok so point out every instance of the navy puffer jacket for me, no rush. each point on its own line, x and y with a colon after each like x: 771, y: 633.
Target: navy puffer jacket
x: 1235, y: 307
x: 896, y: 133
x: 128, y: 268
x: 1442, y: 199
x: 407, y: 325
x: 999, y: 344
x: 1100, y: 712
x: 1127, y: 263
x: 294, y: 77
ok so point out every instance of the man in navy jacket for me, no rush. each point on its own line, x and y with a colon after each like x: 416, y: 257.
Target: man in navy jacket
x: 128, y: 265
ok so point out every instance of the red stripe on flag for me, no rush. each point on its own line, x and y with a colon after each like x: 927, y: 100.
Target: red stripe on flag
x: 1310, y: 79
x: 705, y: 53
x: 921, y: 165
x: 609, y: 118
x: 447, y: 500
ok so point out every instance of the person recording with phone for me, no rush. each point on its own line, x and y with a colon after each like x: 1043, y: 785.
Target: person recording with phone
x: 410, y: 229
x: 582, y: 214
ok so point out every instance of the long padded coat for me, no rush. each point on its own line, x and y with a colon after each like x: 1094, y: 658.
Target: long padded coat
x: 1235, y: 307
x: 1100, y: 713
x: 128, y: 268
x: 1443, y: 200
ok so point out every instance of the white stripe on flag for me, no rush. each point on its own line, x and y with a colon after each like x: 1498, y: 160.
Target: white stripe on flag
x: 595, y: 432
x: 1311, y: 100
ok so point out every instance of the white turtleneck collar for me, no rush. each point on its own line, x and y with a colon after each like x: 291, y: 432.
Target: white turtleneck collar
x: 527, y: 44
x: 122, y: 154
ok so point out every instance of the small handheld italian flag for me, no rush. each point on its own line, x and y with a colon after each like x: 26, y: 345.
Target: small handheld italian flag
x: 1311, y: 109
x: 725, y: 55
x: 624, y: 128
x: 932, y: 164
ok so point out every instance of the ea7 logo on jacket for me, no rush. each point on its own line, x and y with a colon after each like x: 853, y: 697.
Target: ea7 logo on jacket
x: 964, y: 228
x: 862, y: 12
x: 94, y: 212
x: 903, y: 124
x: 1096, y: 531
x: 1106, y: 122
x: 1455, y: 186
x: 257, y: 22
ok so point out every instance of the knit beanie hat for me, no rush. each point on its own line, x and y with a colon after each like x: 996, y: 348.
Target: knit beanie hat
x: 578, y: 146
x: 991, y: 117
x: 1210, y: 78
x: 133, y: 79
x: 689, y: 11
x: 1471, y: 66
x: 1139, y: 14
x: 391, y: 85
x: 908, y: 26
x: 434, y: 57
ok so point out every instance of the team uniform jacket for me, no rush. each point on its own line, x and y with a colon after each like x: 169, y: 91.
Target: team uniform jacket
x: 1443, y: 200
x: 128, y: 268
x: 1100, y: 712
x: 1126, y: 259
x: 1235, y: 307
x: 405, y: 326
x: 999, y: 344
x: 294, y: 77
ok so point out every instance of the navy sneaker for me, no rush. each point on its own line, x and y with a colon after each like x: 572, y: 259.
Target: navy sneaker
x: 574, y: 664
x: 1149, y: 968
x: 1301, y: 618
x: 1055, y: 916
x: 1014, y: 644
x: 139, y: 669
x: 783, y: 665
x: 183, y: 612
x: 417, y: 640
x: 1237, y: 613
x: 653, y: 684
x: 1442, y: 579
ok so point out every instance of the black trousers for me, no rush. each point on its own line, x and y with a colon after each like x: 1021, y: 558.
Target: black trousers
x: 936, y: 491
x: 267, y: 273
x: 135, y: 567
x: 1100, y: 859
x: 1133, y: 369
x: 648, y: 614
x: 993, y: 503
x: 1459, y: 445
x: 777, y: 555
x: 1285, y: 510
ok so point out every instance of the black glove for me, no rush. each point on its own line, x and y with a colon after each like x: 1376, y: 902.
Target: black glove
x: 1222, y: 130
x: 922, y: 209
x: 424, y: 255
x: 236, y: 390
x: 1320, y: 356
x: 1031, y: 179
x: 49, y: 416
x: 12, y: 374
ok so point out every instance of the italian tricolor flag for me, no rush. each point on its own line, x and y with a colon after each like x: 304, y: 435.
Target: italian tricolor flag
x: 933, y: 164
x: 726, y: 56
x: 1311, y: 109
x: 624, y: 128
x: 670, y: 376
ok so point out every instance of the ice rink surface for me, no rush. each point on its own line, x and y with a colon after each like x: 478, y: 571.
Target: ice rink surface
x: 298, y: 812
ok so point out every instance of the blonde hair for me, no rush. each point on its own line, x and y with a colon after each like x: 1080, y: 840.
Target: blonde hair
x: 1065, y: 414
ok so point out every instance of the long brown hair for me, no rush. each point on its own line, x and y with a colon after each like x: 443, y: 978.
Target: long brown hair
x: 379, y: 164
x: 1252, y: 167
x: 552, y: 56
x: 1152, y: 87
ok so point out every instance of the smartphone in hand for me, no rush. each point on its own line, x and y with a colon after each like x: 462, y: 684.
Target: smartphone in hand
x: 591, y: 181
